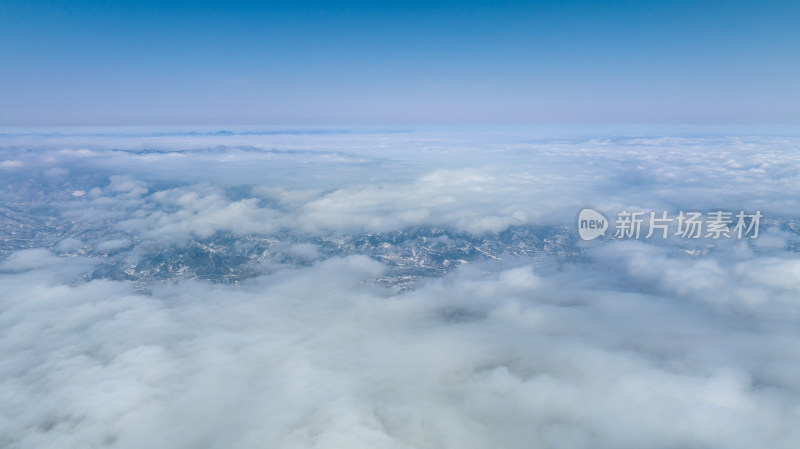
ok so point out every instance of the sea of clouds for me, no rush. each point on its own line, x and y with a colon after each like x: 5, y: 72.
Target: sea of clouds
x: 644, y: 343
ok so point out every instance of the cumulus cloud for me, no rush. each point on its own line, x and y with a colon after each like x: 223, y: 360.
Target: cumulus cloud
x: 325, y: 183
x: 113, y: 245
x: 10, y: 164
x: 314, y: 357
x: 648, y: 343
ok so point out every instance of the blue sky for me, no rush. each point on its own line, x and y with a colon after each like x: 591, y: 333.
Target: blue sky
x: 217, y: 63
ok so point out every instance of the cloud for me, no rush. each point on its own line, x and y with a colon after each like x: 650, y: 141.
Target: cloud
x: 107, y: 342
x: 314, y: 357
x: 113, y: 245
x: 10, y: 164
x: 27, y: 260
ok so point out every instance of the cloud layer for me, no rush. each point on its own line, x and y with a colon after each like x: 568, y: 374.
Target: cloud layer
x: 605, y: 344
x: 484, y: 357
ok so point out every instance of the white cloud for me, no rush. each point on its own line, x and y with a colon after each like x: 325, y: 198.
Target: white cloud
x: 28, y: 260
x: 113, y: 245
x: 647, y: 344
x: 10, y: 164
x: 313, y: 357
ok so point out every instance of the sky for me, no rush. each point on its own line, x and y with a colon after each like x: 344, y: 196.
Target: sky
x: 306, y: 62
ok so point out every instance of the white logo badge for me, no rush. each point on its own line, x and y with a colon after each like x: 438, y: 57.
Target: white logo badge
x: 591, y: 224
